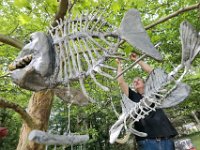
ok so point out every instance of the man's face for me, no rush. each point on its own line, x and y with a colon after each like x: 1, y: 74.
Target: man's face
x: 138, y: 83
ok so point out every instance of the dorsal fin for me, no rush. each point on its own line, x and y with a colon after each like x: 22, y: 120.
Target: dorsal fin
x: 133, y: 32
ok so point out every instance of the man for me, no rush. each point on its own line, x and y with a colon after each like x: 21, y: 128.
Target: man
x: 156, y: 124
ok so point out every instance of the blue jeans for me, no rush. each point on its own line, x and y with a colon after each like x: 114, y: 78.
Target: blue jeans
x: 154, y: 144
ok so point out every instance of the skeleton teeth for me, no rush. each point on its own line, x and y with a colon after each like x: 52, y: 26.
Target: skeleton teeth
x: 21, y: 63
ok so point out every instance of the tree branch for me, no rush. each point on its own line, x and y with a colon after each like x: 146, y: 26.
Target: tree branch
x: 63, y: 7
x: 10, y: 41
x: 71, y: 6
x: 17, y: 108
x: 174, y: 14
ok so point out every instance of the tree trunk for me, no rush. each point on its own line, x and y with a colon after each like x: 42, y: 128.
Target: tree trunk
x: 39, y: 109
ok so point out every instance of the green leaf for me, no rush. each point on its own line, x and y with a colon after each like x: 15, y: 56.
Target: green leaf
x: 128, y: 50
x: 116, y: 7
x: 140, y: 3
x: 24, y: 19
x: 52, y: 5
x: 86, y: 3
x: 21, y: 3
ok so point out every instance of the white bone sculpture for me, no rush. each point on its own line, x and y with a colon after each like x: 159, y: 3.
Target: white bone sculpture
x: 80, y: 48
x: 162, y: 90
x: 77, y: 49
x: 74, y: 50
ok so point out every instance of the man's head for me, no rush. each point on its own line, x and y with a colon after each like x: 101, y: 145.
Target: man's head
x: 138, y: 84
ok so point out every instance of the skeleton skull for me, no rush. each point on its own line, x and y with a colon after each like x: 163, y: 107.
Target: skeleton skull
x: 35, y: 66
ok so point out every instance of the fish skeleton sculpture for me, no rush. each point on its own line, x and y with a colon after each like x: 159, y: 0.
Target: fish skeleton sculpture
x: 77, y: 48
x: 162, y: 90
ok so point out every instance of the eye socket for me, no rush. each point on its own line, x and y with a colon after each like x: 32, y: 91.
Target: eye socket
x: 28, y: 41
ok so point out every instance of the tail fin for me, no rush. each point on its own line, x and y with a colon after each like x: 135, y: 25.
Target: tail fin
x: 190, y: 40
x: 132, y: 30
x: 176, y: 96
x: 114, y: 133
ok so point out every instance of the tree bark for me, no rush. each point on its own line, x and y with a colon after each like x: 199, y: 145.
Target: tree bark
x: 39, y: 109
x: 63, y: 7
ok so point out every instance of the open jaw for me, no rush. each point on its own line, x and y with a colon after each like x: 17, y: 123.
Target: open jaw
x: 34, y: 67
x: 20, y: 63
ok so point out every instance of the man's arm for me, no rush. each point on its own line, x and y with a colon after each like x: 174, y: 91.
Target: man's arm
x: 123, y: 85
x: 143, y: 65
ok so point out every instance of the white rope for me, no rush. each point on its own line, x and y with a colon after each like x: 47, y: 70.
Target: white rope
x: 72, y: 147
x: 113, y: 107
x: 69, y: 118
x: 46, y: 147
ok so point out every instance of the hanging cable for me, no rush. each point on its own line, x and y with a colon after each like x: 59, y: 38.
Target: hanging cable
x: 69, y: 118
x: 113, y: 107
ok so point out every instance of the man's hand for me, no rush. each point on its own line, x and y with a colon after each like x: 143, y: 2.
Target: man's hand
x: 133, y: 56
x: 144, y: 66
